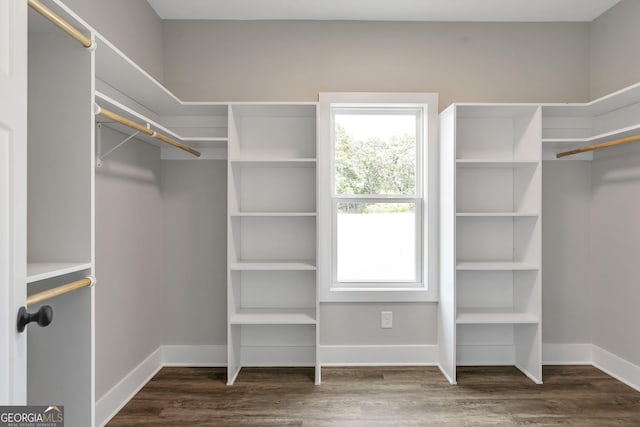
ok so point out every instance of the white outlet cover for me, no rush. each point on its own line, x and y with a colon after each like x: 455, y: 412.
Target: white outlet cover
x: 386, y: 319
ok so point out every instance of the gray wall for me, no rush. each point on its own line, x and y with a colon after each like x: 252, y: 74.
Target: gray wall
x: 293, y: 61
x: 194, y: 194
x: 289, y: 61
x: 566, y: 275
x: 129, y: 221
x: 615, y: 243
x: 132, y: 25
x: 129, y: 259
x: 359, y: 324
x: 614, y: 52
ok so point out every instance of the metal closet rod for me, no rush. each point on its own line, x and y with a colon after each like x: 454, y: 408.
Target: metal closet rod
x: 60, y: 23
x: 599, y: 146
x: 140, y: 128
x: 59, y: 291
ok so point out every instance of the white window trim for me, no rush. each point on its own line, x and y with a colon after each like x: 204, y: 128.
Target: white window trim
x: 428, y: 289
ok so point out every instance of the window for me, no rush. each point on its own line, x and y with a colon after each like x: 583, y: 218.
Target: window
x: 372, y: 205
x: 377, y: 195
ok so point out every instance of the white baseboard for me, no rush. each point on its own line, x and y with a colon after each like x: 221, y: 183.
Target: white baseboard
x: 567, y: 354
x: 115, y: 399
x: 195, y: 355
x: 485, y: 355
x: 171, y: 355
x: 617, y: 367
x: 261, y: 355
x: 379, y: 355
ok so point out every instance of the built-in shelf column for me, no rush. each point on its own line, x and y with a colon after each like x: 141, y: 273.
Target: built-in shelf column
x: 272, y: 223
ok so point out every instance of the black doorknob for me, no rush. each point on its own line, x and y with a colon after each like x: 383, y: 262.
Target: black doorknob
x: 42, y: 317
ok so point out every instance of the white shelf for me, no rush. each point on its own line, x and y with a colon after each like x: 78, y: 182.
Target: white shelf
x: 496, y: 214
x: 272, y: 214
x: 117, y: 70
x: 275, y: 162
x: 495, y: 266
x: 118, y: 108
x: 596, y: 139
x: 273, y: 316
x: 273, y: 266
x: 206, y: 140
x: 480, y: 163
x: 475, y: 316
x: 613, y: 101
x: 37, y: 271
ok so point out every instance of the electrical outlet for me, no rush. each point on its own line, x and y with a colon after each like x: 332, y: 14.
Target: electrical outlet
x: 386, y: 319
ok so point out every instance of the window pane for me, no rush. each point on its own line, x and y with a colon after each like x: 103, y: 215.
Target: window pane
x: 376, y: 242
x: 375, y: 152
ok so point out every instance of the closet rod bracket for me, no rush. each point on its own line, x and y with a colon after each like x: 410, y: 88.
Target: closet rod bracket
x: 99, y: 144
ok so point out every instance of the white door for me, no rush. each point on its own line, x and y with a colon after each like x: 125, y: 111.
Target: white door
x: 13, y: 198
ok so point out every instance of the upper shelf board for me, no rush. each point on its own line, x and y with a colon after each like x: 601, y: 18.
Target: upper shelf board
x: 37, y: 271
x: 611, y: 102
x: 116, y: 69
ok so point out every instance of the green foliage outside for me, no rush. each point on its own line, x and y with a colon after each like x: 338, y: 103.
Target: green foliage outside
x: 375, y: 167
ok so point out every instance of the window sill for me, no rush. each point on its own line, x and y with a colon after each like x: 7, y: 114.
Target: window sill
x: 346, y: 294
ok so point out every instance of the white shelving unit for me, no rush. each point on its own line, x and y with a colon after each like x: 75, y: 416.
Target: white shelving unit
x: 569, y: 126
x: 272, y: 228
x: 490, y: 295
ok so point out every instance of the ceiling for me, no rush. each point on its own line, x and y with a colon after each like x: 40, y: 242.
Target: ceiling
x: 386, y: 10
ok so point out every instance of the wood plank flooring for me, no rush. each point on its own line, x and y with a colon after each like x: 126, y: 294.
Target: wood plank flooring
x: 396, y: 396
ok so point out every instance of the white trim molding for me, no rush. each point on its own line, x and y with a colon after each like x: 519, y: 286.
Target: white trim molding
x: 619, y: 368
x: 195, y: 355
x: 114, y: 400
x: 567, y: 354
x: 378, y: 355
x: 119, y: 395
x: 426, y: 287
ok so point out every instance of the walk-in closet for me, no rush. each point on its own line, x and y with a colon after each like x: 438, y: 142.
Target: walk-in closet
x: 278, y: 214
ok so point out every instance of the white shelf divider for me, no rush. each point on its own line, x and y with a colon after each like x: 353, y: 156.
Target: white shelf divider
x: 487, y: 316
x: 496, y: 214
x: 497, y: 163
x: 275, y: 162
x: 273, y: 266
x: 273, y: 214
x: 496, y: 266
x: 273, y: 316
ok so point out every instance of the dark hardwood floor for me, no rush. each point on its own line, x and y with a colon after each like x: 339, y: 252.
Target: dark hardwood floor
x: 416, y: 396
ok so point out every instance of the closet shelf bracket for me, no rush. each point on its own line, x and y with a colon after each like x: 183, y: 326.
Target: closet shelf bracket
x: 101, y: 157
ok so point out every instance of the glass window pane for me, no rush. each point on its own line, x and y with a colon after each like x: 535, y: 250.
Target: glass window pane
x: 376, y: 242
x: 375, y: 152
